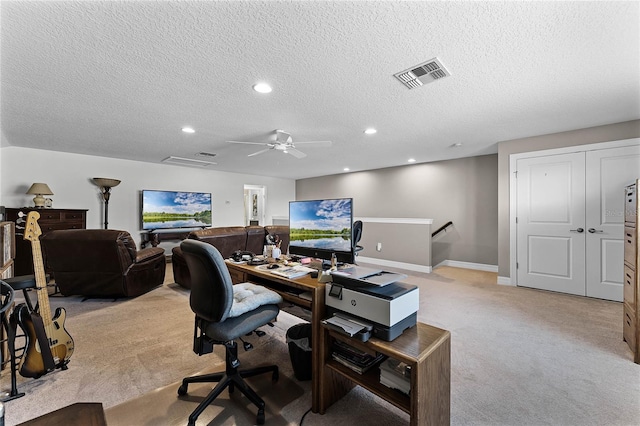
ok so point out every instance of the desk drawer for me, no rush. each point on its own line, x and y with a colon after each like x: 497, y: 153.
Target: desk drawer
x: 72, y: 216
x: 629, y: 328
x: 630, y: 246
x: 47, y: 226
x: 237, y: 277
x: 49, y: 215
x: 630, y: 287
x: 631, y: 205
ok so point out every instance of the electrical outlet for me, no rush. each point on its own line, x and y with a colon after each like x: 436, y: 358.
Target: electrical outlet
x: 379, y: 247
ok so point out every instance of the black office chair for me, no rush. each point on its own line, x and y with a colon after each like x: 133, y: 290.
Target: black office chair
x: 221, y: 319
x: 356, y: 234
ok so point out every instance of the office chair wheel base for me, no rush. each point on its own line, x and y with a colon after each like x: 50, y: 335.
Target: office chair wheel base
x: 260, y: 417
x: 182, y: 390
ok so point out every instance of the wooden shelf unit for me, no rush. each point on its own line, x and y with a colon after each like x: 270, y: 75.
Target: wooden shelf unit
x: 426, y: 349
x: 631, y: 305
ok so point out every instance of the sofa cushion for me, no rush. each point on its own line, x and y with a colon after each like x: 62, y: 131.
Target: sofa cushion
x: 255, y: 239
x: 225, y: 239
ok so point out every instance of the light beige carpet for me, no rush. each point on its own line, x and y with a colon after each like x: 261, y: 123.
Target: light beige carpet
x: 519, y: 357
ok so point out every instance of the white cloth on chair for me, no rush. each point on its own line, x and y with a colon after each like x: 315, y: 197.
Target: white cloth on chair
x: 248, y: 296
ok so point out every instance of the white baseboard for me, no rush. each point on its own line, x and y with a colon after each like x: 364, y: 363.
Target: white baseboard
x: 505, y: 281
x: 469, y: 265
x: 393, y: 264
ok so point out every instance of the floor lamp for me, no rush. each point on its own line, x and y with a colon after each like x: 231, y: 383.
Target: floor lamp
x: 105, y: 185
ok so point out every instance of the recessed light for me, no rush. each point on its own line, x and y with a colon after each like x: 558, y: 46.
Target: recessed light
x: 456, y: 145
x: 370, y: 131
x: 346, y: 169
x: 411, y: 160
x: 188, y: 130
x: 262, y: 88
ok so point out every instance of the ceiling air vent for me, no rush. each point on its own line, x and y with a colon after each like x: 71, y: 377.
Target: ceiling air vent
x: 422, y: 74
x: 187, y: 162
x: 205, y: 154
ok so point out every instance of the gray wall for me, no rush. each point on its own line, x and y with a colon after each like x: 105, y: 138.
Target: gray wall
x: 464, y: 191
x: 611, y: 132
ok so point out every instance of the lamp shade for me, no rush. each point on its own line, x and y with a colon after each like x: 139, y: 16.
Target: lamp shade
x: 40, y: 189
x: 106, y: 182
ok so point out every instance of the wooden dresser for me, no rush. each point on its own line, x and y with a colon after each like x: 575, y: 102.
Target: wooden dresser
x: 631, y: 305
x: 50, y: 219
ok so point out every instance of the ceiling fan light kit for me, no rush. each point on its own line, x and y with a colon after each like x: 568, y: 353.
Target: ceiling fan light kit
x: 283, y: 142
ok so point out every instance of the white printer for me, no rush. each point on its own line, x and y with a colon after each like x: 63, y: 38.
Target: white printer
x: 389, y: 308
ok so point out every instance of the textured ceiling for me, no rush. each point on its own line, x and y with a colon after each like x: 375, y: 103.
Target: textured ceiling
x: 120, y: 79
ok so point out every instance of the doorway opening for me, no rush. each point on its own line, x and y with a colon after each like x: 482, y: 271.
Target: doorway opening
x: 255, y: 200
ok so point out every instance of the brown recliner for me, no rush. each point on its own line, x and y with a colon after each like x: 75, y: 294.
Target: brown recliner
x: 101, y: 263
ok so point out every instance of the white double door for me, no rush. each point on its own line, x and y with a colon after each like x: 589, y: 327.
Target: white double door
x: 570, y: 220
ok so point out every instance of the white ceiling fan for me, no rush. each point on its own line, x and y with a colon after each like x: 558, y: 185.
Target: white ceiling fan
x: 283, y: 142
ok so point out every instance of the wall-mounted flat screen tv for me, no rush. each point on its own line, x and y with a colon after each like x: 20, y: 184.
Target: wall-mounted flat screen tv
x: 320, y: 228
x: 175, y: 209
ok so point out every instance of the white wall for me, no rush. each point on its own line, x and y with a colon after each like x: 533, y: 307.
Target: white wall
x: 69, y: 177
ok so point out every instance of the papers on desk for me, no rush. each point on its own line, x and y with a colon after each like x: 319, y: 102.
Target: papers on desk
x: 291, y: 271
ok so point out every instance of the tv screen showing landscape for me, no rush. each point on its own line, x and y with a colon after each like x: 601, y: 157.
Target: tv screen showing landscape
x: 174, y: 209
x: 322, y: 225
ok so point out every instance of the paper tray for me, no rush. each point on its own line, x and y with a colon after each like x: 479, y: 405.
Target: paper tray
x: 354, y: 329
x: 379, y: 279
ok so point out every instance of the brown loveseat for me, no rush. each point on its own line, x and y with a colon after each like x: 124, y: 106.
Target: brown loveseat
x: 101, y: 263
x: 227, y: 240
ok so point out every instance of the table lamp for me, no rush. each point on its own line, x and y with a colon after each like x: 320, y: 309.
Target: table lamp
x: 105, y: 185
x: 39, y: 189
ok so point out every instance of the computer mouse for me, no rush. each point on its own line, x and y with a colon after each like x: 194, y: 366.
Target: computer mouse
x: 273, y: 266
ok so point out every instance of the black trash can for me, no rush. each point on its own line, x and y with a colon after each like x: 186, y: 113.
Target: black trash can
x: 299, y: 342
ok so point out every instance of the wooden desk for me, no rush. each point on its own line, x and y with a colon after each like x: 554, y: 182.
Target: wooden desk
x: 426, y: 348
x: 289, y: 290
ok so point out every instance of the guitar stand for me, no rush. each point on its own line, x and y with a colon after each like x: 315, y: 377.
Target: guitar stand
x: 10, y: 325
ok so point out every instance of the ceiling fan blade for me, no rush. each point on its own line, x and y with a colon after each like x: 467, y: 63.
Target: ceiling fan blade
x: 295, y: 153
x: 259, y: 152
x: 249, y: 143
x: 318, y: 143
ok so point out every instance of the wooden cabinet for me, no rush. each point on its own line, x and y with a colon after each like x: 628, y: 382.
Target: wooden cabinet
x: 427, y: 350
x: 631, y: 306
x: 50, y: 219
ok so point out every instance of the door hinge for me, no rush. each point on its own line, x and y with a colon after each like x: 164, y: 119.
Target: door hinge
x: 517, y: 265
x: 516, y: 219
x: 515, y: 174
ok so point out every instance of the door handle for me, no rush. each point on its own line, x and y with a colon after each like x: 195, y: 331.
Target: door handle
x: 594, y: 231
x: 579, y: 230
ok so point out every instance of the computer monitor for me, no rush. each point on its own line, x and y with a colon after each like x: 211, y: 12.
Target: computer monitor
x: 321, y: 228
